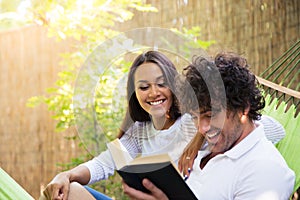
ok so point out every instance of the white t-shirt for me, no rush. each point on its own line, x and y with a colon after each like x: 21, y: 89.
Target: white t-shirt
x: 143, y: 138
x: 253, y: 169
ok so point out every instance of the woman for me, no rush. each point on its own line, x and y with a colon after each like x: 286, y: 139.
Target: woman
x: 153, y: 124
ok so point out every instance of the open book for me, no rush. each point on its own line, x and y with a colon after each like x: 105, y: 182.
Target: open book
x: 159, y: 169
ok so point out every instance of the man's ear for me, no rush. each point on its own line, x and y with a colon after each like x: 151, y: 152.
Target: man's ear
x: 244, y: 118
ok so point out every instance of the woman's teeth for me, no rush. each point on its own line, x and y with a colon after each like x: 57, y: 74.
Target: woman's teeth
x: 154, y: 103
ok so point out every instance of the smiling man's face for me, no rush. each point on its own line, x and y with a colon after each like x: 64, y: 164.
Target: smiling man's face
x: 221, y: 130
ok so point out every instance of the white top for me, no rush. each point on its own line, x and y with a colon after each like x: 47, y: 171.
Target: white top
x: 273, y: 129
x: 143, y: 138
x: 253, y: 169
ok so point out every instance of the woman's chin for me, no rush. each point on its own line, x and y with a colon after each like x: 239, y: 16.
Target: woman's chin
x: 158, y: 115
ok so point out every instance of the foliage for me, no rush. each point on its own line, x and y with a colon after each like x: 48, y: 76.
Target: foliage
x: 193, y: 35
x: 12, y: 14
x: 289, y: 146
x: 88, y: 23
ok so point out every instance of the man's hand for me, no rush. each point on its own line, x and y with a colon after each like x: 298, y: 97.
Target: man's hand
x: 156, y: 193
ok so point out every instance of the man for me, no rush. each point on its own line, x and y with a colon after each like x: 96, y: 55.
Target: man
x: 238, y: 162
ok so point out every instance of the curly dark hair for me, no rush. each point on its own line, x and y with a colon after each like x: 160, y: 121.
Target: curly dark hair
x: 225, y: 81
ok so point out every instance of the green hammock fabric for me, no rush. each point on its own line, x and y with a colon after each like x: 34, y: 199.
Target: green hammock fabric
x: 285, y: 72
x: 283, y: 103
x: 289, y: 146
x: 10, y: 189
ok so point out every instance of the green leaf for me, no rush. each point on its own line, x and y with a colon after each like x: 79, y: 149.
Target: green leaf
x: 289, y: 146
x: 35, y: 101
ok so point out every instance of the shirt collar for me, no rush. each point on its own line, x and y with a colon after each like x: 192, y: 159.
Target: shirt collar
x: 247, y: 143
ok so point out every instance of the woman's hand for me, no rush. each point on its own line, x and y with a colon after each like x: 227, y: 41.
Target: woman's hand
x: 58, y: 188
x: 186, y: 160
x: 156, y: 193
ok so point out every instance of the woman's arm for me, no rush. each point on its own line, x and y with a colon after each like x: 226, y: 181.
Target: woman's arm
x: 186, y: 160
x: 59, y: 187
x: 273, y: 129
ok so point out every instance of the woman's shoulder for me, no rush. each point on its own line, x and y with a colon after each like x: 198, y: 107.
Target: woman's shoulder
x: 138, y: 128
x: 187, y: 124
x: 273, y: 129
x: 186, y: 119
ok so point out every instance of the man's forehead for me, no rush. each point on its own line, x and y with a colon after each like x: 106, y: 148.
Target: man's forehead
x: 203, y: 110
x: 199, y: 110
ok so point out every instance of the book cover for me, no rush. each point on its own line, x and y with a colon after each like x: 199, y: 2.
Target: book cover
x: 159, y: 169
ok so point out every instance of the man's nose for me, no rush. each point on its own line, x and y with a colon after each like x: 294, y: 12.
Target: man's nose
x: 203, y: 126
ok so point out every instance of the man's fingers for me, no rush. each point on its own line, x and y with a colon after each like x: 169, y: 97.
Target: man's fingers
x: 133, y: 193
x: 157, y: 193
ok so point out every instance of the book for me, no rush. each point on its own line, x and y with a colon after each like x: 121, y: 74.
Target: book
x: 159, y: 169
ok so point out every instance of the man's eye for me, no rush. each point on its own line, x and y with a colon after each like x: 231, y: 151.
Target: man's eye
x: 208, y: 115
x: 194, y: 117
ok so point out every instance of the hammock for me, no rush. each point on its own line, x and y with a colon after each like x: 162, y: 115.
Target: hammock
x: 10, y: 189
x: 281, y: 80
x: 281, y: 83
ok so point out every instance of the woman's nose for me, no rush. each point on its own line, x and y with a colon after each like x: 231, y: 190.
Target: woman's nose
x: 154, y: 91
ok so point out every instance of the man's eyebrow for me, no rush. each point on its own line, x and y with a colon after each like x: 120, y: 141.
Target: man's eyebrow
x: 200, y: 112
x: 204, y: 111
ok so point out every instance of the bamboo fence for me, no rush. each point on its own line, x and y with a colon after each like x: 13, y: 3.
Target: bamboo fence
x: 30, y: 149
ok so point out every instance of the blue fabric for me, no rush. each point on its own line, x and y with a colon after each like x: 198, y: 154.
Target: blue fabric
x: 97, y: 195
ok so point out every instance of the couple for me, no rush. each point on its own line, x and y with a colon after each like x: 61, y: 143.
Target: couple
x: 235, y: 162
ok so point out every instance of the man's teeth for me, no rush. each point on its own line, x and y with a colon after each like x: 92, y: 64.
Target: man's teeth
x: 211, y: 135
x: 156, y: 102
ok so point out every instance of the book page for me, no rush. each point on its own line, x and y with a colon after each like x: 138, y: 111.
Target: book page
x: 151, y: 159
x: 160, y: 158
x: 119, y: 153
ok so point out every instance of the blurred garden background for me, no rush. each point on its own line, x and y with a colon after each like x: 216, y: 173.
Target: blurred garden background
x: 43, y: 44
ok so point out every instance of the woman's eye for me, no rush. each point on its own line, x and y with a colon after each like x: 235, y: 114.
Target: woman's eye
x: 143, y: 87
x: 161, y: 84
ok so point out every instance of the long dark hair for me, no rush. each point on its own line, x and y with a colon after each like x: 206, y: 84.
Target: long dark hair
x: 134, y: 110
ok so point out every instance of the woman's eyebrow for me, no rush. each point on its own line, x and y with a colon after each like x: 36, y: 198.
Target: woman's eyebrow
x: 160, y: 77
x: 157, y: 79
x: 142, y: 81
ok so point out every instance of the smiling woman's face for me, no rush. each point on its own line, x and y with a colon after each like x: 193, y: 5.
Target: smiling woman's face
x: 151, y: 90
